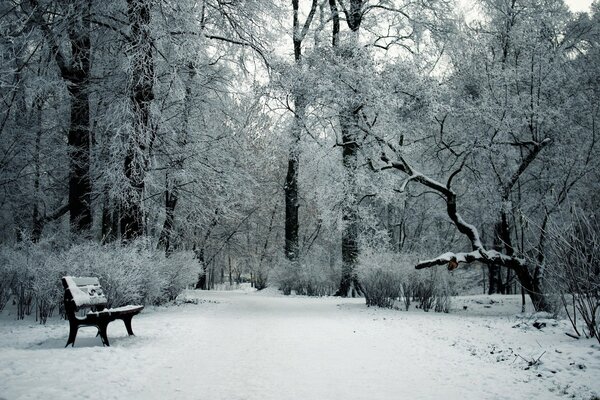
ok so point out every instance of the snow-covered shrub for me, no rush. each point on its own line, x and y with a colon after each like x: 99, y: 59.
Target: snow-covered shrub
x: 8, y: 273
x: 307, y: 278
x: 134, y: 274
x: 381, y: 287
x: 31, y: 274
x: 409, y: 286
x: 442, y: 290
x: 381, y: 275
x: 179, y: 271
x: 432, y: 290
x: 261, y: 279
x: 424, y: 292
x: 126, y: 272
x: 45, y: 285
x: 28, y: 280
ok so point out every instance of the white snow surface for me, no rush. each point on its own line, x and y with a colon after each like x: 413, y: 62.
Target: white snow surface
x: 128, y: 307
x: 261, y: 345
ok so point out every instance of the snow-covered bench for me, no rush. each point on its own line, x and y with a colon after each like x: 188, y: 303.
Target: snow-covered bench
x: 87, y: 293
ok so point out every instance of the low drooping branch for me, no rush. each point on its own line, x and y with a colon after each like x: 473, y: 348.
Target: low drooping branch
x: 463, y: 227
x: 479, y: 252
x: 481, y: 255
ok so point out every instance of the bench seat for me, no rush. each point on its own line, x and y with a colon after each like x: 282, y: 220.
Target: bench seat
x: 118, y: 310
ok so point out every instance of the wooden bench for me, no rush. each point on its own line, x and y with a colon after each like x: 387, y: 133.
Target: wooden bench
x: 87, y: 293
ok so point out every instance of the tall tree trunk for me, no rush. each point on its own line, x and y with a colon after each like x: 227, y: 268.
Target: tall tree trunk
x: 141, y: 138
x: 349, y: 117
x: 171, y: 198
x: 495, y: 284
x: 292, y: 246
x: 171, y: 181
x: 76, y: 72
x: 80, y: 185
x: 38, y: 225
x: 349, y: 285
x: 292, y: 225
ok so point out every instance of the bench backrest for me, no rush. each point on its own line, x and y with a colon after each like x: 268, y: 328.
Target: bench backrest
x: 84, y: 292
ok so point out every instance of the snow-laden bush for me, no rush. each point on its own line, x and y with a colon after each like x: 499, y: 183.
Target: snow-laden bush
x: 179, y: 271
x: 133, y: 274
x: 387, y: 277
x: 432, y: 289
x: 9, y: 262
x: 28, y: 280
x: 309, y: 278
x: 381, y: 276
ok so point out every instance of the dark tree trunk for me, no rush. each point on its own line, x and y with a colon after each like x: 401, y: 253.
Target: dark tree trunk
x: 110, y: 218
x: 539, y: 300
x: 171, y: 182
x: 38, y: 225
x: 202, y: 281
x: 292, y: 224
x: 199, y: 252
x: 80, y: 185
x: 141, y: 139
x: 349, y: 117
x: 292, y: 246
x: 76, y: 73
x: 349, y: 285
x: 495, y: 284
x: 171, y: 198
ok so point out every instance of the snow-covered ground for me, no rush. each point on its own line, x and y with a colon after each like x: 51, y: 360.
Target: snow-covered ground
x: 261, y: 345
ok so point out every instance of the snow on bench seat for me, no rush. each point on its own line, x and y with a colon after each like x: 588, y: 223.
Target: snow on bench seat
x: 117, y: 310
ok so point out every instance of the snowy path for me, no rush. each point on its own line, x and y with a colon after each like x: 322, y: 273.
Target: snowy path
x: 253, y: 346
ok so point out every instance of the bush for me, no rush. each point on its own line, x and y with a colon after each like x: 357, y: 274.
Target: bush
x: 381, y: 287
x: 382, y: 276
x: 307, y: 278
x: 573, y: 270
x: 432, y: 290
x: 134, y: 274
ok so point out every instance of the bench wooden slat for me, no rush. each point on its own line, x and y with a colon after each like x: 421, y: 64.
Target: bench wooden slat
x: 86, y: 291
x: 84, y: 281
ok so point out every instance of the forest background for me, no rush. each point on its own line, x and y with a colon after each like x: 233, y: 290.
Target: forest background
x: 322, y: 147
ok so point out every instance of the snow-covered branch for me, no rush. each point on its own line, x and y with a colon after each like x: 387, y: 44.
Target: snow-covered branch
x: 465, y: 228
x: 481, y: 255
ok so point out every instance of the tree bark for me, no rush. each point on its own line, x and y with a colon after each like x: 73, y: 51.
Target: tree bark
x: 172, y: 182
x: 171, y: 198
x: 80, y: 185
x: 38, y: 225
x: 292, y: 224
x: 349, y: 284
x: 76, y: 72
x: 141, y: 138
x: 349, y: 117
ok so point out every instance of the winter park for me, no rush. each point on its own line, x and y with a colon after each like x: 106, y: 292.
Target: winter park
x: 300, y: 199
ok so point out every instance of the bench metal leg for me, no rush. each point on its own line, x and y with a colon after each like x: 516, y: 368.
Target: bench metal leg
x: 127, y: 321
x: 102, y: 331
x: 72, y: 334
